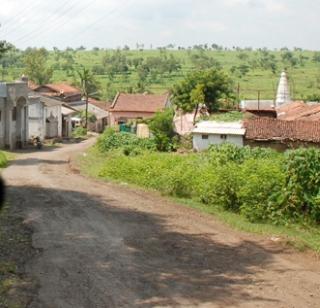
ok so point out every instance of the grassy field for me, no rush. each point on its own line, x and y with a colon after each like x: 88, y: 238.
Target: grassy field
x: 304, y: 75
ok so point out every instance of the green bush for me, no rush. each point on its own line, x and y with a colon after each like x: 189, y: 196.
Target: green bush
x: 79, y: 132
x: 300, y: 196
x: 3, y: 160
x: 260, y: 184
x: 161, y: 126
x: 110, y: 140
x: 261, y: 181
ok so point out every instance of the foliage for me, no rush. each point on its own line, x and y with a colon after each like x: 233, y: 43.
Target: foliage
x: 3, y: 160
x: 5, y: 47
x: 88, y: 88
x: 79, y: 132
x: 91, y: 117
x: 36, y: 68
x: 208, y: 87
x: 161, y: 126
x: 110, y: 140
x: 300, y: 197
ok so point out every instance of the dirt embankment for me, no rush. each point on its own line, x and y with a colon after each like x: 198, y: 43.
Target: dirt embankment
x: 103, y: 245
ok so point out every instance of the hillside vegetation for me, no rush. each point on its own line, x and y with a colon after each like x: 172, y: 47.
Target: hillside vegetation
x: 157, y: 70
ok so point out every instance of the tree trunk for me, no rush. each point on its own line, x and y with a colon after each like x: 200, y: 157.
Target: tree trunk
x: 87, y: 102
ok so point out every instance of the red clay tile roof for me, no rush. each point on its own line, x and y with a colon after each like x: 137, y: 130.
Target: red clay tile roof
x: 139, y: 102
x: 273, y: 129
x: 299, y: 111
x: 60, y: 88
x: 102, y: 105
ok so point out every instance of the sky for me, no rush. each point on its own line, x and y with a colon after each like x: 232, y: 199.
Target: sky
x: 154, y: 23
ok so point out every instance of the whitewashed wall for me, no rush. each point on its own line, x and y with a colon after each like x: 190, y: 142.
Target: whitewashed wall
x: 37, y: 120
x: 56, y: 112
x: 2, y: 122
x: 200, y: 144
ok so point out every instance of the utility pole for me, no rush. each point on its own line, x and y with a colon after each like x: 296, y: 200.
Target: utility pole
x: 259, y: 100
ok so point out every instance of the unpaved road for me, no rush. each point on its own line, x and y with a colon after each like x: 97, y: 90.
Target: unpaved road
x: 103, y: 245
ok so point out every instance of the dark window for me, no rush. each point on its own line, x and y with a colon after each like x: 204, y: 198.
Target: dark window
x: 14, y: 114
x: 224, y: 137
x: 205, y: 137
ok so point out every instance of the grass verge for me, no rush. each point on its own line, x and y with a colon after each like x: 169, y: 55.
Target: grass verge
x: 299, y: 236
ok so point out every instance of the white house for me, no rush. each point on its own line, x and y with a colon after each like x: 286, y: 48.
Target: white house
x: 207, y: 133
x: 13, y: 114
x: 49, y: 117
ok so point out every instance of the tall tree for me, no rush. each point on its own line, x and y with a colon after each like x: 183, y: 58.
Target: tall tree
x: 36, y: 67
x: 4, y: 47
x: 87, y: 85
x: 208, y: 87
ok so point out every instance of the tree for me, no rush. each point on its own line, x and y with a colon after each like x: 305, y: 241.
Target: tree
x: 87, y: 83
x: 5, y: 47
x: 161, y: 126
x: 36, y: 68
x: 208, y: 87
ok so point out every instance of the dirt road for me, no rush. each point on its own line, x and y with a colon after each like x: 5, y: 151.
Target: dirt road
x: 103, y: 245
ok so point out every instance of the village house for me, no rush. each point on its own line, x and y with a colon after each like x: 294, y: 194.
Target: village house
x: 208, y: 133
x: 13, y: 114
x: 62, y: 91
x: 49, y: 117
x: 99, y: 109
x: 127, y: 107
x: 281, y: 134
x: 71, y: 97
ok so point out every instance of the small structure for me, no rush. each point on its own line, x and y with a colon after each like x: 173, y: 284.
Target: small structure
x: 126, y: 107
x: 207, y: 133
x: 13, y: 114
x: 98, y: 109
x: 283, y: 93
x: 49, y: 117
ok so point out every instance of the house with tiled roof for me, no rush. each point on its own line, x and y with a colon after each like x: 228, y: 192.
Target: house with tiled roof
x: 126, y: 107
x: 282, y: 134
x: 299, y: 111
x: 63, y: 91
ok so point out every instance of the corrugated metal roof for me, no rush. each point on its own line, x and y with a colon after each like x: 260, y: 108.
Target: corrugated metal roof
x: 219, y: 128
x: 67, y: 111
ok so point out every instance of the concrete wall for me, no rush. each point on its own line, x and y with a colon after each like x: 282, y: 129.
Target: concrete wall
x: 115, y: 116
x: 14, y: 96
x: 55, y: 111
x: 37, y: 124
x: 201, y: 144
x: 2, y: 122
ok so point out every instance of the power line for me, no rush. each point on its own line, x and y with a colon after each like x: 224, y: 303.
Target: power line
x: 55, y: 25
x: 21, y: 13
x: 102, y: 18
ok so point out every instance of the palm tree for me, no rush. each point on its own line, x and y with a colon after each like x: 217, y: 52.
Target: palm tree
x: 86, y: 81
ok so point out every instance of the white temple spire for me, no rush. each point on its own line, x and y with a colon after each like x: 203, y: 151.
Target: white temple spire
x: 283, y: 93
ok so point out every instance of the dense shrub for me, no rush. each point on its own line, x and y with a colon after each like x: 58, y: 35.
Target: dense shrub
x: 260, y: 184
x: 130, y: 143
x: 79, y: 132
x: 300, y: 196
x: 161, y: 126
x: 3, y: 160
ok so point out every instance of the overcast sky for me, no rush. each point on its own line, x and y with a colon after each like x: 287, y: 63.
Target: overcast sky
x: 114, y: 23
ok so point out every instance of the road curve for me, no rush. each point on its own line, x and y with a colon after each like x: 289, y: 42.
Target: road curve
x: 104, y: 245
